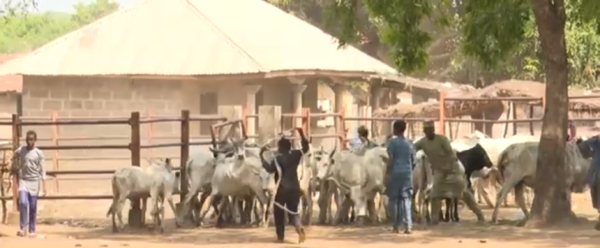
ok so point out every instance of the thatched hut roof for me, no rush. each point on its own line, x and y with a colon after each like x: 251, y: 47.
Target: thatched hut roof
x: 508, y: 88
x: 406, y: 110
x: 521, y: 88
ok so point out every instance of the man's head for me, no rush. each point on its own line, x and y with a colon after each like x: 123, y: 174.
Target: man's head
x: 429, y: 129
x: 363, y: 132
x: 284, y: 145
x: 399, y: 127
x: 30, y: 138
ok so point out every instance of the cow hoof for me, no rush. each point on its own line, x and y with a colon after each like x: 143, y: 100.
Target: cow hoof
x: 597, y: 227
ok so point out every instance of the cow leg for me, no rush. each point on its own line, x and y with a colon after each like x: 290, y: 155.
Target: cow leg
x: 337, y: 199
x: 456, y: 215
x: 154, y: 203
x: 169, y: 199
x: 520, y: 200
x: 185, y: 206
x: 481, y: 185
x: 443, y: 215
x: 307, y: 205
x: 198, y: 207
x: 247, y: 210
x: 324, y: 202
x: 258, y: 212
x: 161, y: 214
x: 507, y: 186
x: 223, y: 209
x: 342, y: 212
x: 372, y: 211
x: 211, y: 201
x: 215, y: 206
x: 144, y: 201
x: 117, y: 211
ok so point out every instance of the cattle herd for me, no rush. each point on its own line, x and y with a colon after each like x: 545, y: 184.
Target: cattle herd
x: 239, y: 190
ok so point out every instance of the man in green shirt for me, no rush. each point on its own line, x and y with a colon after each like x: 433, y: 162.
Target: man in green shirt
x: 448, y: 177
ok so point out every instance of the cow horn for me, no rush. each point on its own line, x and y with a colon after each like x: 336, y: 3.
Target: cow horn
x: 332, y: 152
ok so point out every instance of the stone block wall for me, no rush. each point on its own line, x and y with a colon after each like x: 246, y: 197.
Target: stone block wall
x: 84, y: 97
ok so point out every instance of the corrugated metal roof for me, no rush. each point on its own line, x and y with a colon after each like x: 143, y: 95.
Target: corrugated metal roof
x: 196, y: 37
x: 10, y: 82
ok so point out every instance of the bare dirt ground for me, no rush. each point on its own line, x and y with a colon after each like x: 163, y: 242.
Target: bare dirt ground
x: 83, y: 224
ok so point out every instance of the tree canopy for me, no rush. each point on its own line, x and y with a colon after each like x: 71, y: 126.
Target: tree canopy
x: 24, y: 30
x: 444, y: 25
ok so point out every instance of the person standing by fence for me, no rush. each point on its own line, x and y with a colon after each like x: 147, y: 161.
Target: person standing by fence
x: 32, y: 182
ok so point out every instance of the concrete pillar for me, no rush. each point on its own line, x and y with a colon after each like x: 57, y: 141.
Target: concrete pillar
x: 269, y: 120
x: 231, y: 112
x: 298, y: 88
x: 251, y: 90
x: 339, y: 90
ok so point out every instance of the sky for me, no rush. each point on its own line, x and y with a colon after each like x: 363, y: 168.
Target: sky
x: 67, y: 5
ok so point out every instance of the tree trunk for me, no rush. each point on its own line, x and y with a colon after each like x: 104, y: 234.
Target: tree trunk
x: 551, y: 204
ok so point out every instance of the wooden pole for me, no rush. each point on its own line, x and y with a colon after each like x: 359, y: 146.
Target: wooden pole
x: 55, y: 152
x: 135, y: 217
x: 185, y: 150
x: 15, y: 177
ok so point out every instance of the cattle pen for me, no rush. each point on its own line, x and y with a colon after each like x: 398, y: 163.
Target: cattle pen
x: 263, y: 125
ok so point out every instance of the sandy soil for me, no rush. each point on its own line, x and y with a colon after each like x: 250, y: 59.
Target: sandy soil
x: 82, y: 224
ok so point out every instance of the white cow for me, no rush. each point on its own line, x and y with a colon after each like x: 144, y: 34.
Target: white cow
x: 362, y: 177
x: 157, y: 181
x: 241, y: 174
x: 518, y: 165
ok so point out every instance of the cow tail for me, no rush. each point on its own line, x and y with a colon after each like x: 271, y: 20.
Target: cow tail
x: 502, y: 160
x: 188, y: 172
x: 115, y: 190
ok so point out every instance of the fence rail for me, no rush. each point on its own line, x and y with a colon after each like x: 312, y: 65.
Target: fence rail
x: 134, y: 145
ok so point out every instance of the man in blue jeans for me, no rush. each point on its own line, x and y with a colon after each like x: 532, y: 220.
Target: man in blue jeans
x: 399, y: 178
x: 32, y: 175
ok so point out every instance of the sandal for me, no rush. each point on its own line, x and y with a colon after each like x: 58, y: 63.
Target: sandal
x: 21, y: 233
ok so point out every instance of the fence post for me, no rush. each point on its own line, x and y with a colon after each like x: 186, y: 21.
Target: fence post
x: 342, y: 129
x: 185, y: 150
x: 442, y: 113
x: 15, y: 177
x: 55, y: 152
x: 135, y: 217
x: 307, y: 122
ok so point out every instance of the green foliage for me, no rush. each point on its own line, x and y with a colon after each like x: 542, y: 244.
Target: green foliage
x: 497, y: 37
x: 89, y: 12
x: 22, y: 31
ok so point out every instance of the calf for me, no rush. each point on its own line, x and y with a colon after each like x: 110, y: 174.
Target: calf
x: 157, y: 181
x: 473, y: 159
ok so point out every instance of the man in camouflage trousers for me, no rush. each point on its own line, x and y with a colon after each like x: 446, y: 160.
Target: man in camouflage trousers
x: 448, y: 178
